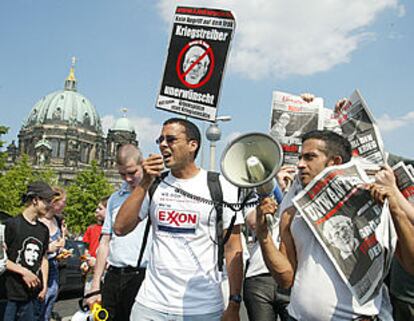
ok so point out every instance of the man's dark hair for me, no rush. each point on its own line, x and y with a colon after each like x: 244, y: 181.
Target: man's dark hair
x: 191, y: 130
x: 336, y: 145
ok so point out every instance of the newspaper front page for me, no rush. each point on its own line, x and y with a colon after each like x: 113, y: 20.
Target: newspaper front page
x: 405, y: 181
x: 359, y: 127
x: 356, y: 233
x: 291, y: 117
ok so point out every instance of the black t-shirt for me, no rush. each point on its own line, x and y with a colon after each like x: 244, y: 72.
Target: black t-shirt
x: 26, y: 245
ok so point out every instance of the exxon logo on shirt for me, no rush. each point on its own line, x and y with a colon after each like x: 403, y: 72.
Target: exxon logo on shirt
x: 177, y: 221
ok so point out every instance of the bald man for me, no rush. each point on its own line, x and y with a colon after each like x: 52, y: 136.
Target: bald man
x: 123, y: 278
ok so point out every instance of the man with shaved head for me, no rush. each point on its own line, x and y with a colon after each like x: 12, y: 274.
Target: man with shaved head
x: 123, y: 277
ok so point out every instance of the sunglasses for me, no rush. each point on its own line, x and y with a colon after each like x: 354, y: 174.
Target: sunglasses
x: 168, y: 138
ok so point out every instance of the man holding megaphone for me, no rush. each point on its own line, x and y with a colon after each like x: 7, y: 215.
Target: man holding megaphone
x: 318, y: 291
x: 182, y: 280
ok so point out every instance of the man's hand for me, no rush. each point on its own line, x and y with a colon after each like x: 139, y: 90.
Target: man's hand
x: 232, y: 312
x: 385, y: 186
x: 30, y: 279
x: 267, y: 205
x: 152, y: 168
x: 340, y: 104
x: 97, y: 298
x: 42, y: 294
x: 308, y: 97
x: 285, y: 176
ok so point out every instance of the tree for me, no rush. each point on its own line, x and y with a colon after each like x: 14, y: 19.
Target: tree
x: 13, y: 184
x: 83, y: 196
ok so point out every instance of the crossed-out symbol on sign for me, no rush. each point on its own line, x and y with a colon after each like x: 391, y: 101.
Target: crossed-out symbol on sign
x: 195, y: 64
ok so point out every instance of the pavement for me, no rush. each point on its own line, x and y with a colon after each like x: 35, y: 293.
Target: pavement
x: 67, y: 307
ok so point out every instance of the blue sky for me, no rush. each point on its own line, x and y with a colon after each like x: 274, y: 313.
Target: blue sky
x: 328, y: 48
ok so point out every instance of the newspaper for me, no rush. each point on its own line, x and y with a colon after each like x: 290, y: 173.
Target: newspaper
x: 356, y: 233
x: 405, y: 180
x: 411, y: 169
x: 291, y: 117
x: 359, y: 127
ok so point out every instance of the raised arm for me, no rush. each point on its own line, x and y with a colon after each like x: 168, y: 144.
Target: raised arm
x: 280, y: 262
x: 128, y: 215
x: 401, y: 211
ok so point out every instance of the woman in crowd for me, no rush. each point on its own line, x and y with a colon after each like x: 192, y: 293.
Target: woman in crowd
x: 54, y: 221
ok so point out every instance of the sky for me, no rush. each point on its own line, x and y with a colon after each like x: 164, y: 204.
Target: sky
x: 325, y: 47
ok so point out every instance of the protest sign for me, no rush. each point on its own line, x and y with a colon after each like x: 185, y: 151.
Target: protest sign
x: 359, y: 127
x: 196, y: 60
x: 356, y: 233
x: 291, y: 117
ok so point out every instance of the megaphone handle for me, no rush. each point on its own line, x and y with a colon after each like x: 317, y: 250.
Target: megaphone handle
x: 270, y: 220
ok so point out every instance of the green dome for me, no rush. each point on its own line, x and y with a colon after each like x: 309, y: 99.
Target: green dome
x: 123, y: 124
x: 65, y: 106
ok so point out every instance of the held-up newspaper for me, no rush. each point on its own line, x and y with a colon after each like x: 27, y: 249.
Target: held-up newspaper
x: 357, y: 234
x: 405, y: 180
x: 291, y: 117
x: 359, y: 127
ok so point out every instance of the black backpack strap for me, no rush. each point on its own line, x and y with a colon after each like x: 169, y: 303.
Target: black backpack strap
x: 151, y: 192
x: 216, y: 193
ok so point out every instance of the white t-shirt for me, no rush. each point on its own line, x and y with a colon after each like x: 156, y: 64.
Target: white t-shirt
x: 182, y: 275
x: 257, y: 265
x: 318, y: 292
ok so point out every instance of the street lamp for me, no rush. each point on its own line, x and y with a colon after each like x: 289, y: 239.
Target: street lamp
x: 213, y: 134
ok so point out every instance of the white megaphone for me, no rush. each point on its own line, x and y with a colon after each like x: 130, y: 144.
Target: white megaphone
x: 252, y: 161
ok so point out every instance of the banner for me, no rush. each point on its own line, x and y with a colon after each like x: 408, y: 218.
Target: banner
x: 356, y: 233
x: 291, y: 117
x: 196, y: 60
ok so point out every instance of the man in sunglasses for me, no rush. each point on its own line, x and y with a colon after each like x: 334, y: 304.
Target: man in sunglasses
x: 123, y: 277
x: 27, y: 240
x: 183, y: 281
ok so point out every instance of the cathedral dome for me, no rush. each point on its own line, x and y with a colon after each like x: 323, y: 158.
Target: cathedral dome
x: 67, y: 107
x: 123, y: 123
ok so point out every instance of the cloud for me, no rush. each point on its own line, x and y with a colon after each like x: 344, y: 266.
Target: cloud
x: 279, y: 38
x: 146, y: 128
x: 387, y: 124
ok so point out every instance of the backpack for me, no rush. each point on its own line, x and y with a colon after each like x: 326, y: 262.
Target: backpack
x: 216, y: 193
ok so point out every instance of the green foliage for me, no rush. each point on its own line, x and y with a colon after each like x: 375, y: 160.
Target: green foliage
x: 83, y: 196
x: 13, y: 184
x: 3, y: 155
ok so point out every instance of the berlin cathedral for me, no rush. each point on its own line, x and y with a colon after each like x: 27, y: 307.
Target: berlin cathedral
x: 63, y: 132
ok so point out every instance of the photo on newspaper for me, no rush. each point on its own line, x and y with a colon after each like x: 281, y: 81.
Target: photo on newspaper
x: 359, y: 127
x: 291, y: 117
x: 405, y: 180
x: 355, y: 232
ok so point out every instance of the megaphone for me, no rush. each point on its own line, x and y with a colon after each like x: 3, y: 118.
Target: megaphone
x: 252, y: 161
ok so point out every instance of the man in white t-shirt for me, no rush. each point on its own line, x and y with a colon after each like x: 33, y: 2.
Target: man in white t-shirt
x: 182, y: 280
x: 318, y: 293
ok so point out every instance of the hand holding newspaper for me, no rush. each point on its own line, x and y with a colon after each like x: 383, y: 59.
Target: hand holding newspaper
x: 356, y: 233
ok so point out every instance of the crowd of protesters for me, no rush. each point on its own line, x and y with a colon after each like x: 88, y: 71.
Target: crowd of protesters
x: 162, y: 248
